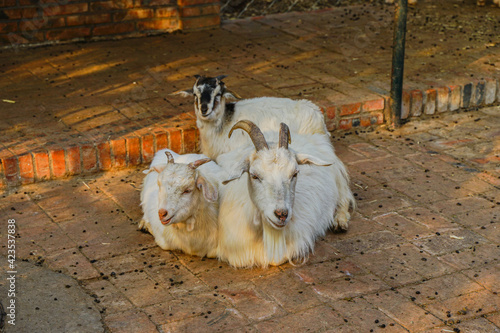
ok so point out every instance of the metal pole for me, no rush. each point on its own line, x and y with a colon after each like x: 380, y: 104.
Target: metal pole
x: 398, y: 61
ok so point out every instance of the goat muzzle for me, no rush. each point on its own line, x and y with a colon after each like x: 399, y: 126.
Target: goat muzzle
x: 281, y: 214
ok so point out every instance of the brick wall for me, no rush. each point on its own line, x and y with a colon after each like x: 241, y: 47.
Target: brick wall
x: 46, y: 21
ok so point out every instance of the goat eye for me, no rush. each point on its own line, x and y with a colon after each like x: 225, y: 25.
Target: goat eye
x: 187, y: 191
x: 295, y: 174
x: 254, y: 176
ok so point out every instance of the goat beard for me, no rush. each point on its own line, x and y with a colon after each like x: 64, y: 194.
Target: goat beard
x: 274, y: 244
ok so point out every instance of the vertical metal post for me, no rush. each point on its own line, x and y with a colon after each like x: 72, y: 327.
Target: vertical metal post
x: 398, y: 61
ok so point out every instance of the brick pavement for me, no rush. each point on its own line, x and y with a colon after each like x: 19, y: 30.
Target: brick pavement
x: 81, y: 108
x: 421, y: 253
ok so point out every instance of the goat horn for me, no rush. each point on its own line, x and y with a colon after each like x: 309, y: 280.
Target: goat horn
x: 221, y: 77
x: 197, y: 163
x: 284, y: 136
x: 253, y: 131
x: 169, y: 157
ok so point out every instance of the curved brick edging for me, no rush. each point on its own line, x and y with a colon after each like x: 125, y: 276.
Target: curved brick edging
x: 140, y: 147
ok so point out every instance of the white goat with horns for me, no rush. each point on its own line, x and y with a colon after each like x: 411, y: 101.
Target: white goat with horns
x: 215, y: 116
x: 277, y: 200
x: 180, y: 202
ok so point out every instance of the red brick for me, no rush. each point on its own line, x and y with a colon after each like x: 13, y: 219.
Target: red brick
x: 7, y: 27
x: 175, y: 139
x: 346, y: 110
x: 68, y: 33
x: 330, y: 112
x: 42, y: 168
x: 345, y: 124
x: 21, y: 13
x: 374, y: 105
x: 161, y: 139
x: 73, y: 8
x: 74, y: 165
x: 194, y: 2
x: 200, y: 10
x: 189, y: 140
x: 416, y: 103
x: 75, y: 20
x: 11, y: 170
x: 26, y: 170
x: 166, y: 12
x: 162, y: 2
x: 134, y: 150
x: 97, y: 18
x: 159, y: 24
x: 148, y: 147
x: 89, y: 157
x: 7, y: 3
x: 119, y: 153
x: 455, y: 97
x: 113, y: 28
x: 133, y: 14
x: 104, y: 153
x: 58, y: 162
x: 200, y: 22
x: 442, y: 102
x: 430, y: 101
x: 111, y: 5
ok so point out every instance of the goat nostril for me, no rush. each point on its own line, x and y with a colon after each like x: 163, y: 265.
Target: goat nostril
x: 162, y: 213
x: 281, y: 214
x: 204, y: 108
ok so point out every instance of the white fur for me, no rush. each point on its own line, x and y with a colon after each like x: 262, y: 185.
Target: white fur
x: 302, y: 117
x: 247, y: 236
x: 194, y: 225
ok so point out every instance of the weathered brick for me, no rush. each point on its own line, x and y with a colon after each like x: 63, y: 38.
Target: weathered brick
x: 345, y: 124
x: 455, y: 97
x: 430, y: 101
x: 26, y: 169
x: 467, y: 95
x: 161, y: 139
x: 166, y: 12
x: 195, y: 2
x: 349, y: 109
x: 113, y: 28
x: 443, y: 96
x: 490, y: 90
x: 58, y: 162
x: 158, y: 24
x: 199, y: 10
x: 134, y: 150
x: 147, y: 147
x: 72, y: 8
x: 104, y: 153
x: 330, y: 112
x: 68, y: 33
x: 405, y: 105
x: 11, y: 167
x: 42, y: 166
x: 175, y: 139
x: 119, y: 153
x: 189, y: 140
x: 479, y: 93
x: 374, y: 105
x: 133, y: 14
x: 89, y: 157
x: 6, y: 27
x: 74, y: 160
x: 195, y: 23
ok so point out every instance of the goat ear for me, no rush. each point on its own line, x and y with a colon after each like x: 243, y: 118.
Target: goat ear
x: 209, y: 191
x: 156, y: 168
x: 221, y: 77
x: 309, y: 159
x: 229, y: 94
x: 184, y: 93
x: 238, y: 171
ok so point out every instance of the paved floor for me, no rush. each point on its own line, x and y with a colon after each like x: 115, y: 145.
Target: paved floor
x: 72, y: 94
x: 421, y: 254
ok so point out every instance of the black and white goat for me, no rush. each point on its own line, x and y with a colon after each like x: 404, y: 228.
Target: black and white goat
x: 215, y: 115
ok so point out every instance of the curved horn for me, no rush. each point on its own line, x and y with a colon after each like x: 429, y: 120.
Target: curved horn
x: 169, y: 157
x: 284, y: 136
x: 221, y: 77
x: 253, y: 131
x: 197, y: 163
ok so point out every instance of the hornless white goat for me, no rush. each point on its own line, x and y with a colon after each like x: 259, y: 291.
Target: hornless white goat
x: 215, y: 116
x: 180, y: 202
x: 277, y: 200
